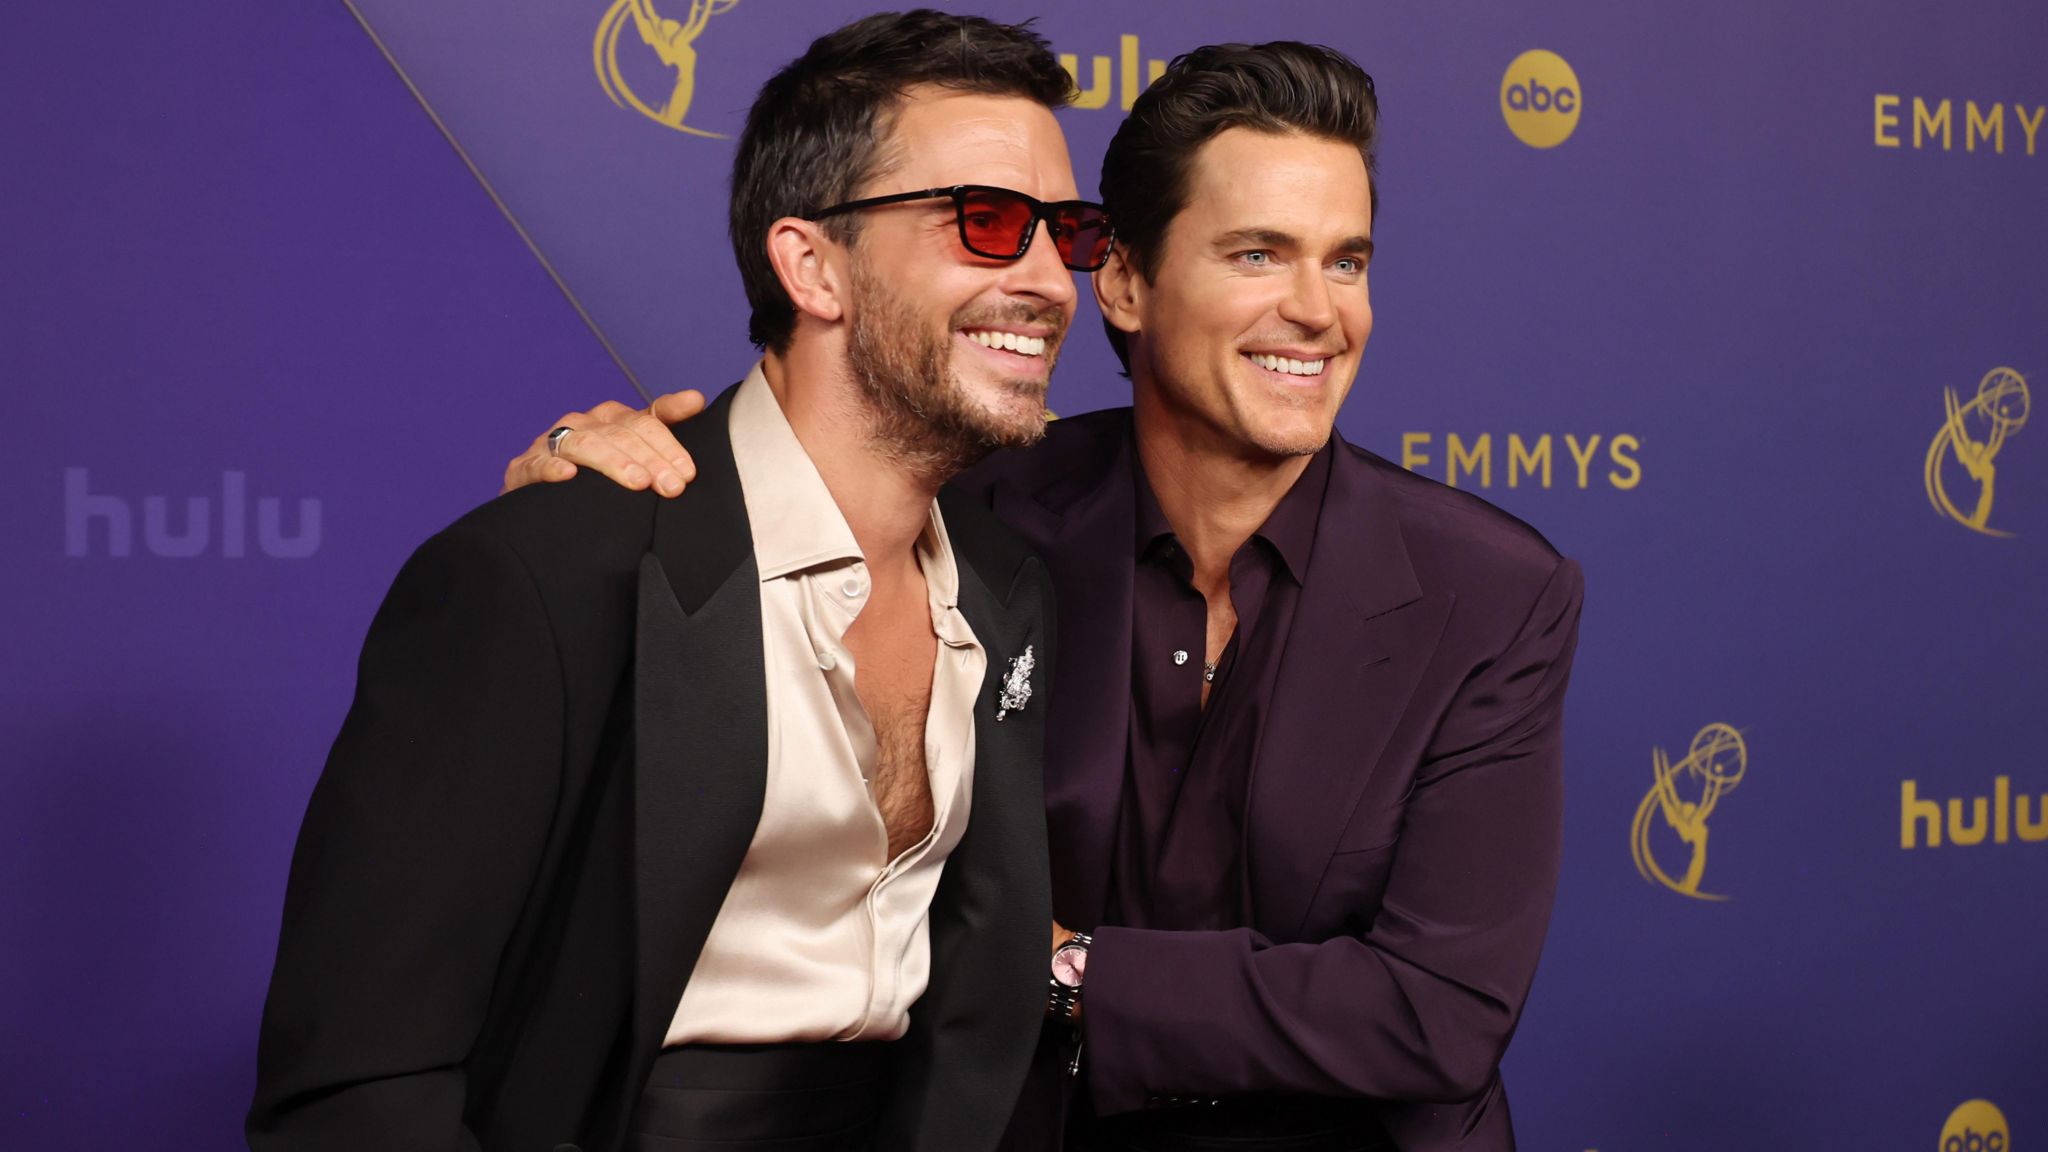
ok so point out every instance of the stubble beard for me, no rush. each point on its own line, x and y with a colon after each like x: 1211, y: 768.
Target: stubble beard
x: 919, y: 414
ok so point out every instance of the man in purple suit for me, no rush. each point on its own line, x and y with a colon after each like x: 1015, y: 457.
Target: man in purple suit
x: 1304, y: 767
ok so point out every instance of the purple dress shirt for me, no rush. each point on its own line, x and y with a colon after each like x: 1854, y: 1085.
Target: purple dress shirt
x: 1179, y: 853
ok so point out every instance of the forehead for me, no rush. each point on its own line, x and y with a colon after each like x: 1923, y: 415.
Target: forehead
x: 940, y: 137
x: 1307, y: 186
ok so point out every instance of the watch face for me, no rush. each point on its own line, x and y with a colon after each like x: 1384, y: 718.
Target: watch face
x: 1068, y: 965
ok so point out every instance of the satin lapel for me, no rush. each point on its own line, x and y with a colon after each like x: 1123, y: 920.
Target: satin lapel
x: 1004, y: 635
x: 991, y: 564
x: 700, y: 773
x: 700, y: 725
x: 1006, y: 778
x: 1363, y: 632
x: 1089, y: 546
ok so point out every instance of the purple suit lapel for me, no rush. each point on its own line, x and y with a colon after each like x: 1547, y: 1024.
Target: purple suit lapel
x: 1363, y: 633
x: 1084, y: 528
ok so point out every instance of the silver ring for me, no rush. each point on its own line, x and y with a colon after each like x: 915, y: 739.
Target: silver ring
x: 555, y: 439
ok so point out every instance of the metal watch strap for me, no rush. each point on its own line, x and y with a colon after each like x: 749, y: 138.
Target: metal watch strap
x: 1061, y: 1000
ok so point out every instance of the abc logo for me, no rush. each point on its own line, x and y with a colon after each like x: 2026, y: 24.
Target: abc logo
x: 1540, y: 98
x: 1976, y: 1126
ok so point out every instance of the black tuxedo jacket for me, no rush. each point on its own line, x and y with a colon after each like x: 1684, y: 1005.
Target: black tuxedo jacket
x: 549, y: 776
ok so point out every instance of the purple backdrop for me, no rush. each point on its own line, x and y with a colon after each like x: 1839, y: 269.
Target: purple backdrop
x: 265, y: 331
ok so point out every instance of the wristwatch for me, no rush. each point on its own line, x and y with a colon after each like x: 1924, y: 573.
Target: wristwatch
x: 1069, y: 966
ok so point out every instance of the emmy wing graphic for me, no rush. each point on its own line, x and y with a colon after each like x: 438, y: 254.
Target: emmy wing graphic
x: 672, y: 41
x: 1972, y: 437
x: 1675, y: 810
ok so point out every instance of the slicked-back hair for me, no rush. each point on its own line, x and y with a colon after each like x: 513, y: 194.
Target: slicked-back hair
x: 1283, y: 87
x: 817, y: 130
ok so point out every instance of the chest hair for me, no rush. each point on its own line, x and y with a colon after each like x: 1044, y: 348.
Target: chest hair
x: 902, y: 780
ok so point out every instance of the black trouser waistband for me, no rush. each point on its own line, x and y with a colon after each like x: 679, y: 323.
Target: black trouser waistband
x: 824, y: 1097
x: 1245, y: 1124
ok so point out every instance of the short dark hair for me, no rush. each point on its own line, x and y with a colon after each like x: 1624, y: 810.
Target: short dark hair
x: 1282, y: 87
x: 815, y: 133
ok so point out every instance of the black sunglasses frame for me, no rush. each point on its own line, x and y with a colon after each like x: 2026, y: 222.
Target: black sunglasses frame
x: 958, y: 193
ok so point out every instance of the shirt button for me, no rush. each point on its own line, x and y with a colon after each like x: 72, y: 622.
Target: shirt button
x: 1180, y: 656
x: 827, y: 661
x: 852, y: 587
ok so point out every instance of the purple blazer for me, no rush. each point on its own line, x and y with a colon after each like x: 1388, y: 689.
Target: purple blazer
x: 1403, y: 830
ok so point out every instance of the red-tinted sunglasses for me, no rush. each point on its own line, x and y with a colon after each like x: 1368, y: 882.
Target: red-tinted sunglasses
x: 998, y: 223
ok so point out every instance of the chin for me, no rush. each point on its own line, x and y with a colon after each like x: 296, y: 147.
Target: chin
x: 1291, y: 438
x: 1014, y: 422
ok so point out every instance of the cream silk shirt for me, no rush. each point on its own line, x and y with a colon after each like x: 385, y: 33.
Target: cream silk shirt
x: 822, y: 936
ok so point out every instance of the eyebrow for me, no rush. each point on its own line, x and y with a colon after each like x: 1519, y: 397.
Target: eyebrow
x: 1274, y: 238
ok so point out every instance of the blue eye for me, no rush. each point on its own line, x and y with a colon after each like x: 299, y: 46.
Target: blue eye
x: 1257, y: 259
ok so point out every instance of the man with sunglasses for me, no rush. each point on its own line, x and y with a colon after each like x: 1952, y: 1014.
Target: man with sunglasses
x: 652, y: 820
x: 1303, y: 769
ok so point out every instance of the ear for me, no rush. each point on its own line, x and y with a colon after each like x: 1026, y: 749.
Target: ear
x: 1120, y: 291
x: 811, y: 266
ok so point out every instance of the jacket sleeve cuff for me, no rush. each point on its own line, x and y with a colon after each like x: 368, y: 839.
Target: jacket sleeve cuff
x: 1156, y: 1001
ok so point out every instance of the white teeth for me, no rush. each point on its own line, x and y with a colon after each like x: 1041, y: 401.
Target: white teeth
x: 1008, y: 341
x: 1288, y: 365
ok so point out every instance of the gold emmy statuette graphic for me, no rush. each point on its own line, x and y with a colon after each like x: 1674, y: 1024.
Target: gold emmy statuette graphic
x: 1973, y: 435
x: 674, y: 43
x: 1685, y: 794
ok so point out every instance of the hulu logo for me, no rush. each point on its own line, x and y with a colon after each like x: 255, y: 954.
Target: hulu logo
x: 1095, y: 89
x: 208, y: 525
x: 1974, y: 819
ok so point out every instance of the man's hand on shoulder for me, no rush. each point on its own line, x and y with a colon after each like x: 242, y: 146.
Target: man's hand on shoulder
x: 632, y: 447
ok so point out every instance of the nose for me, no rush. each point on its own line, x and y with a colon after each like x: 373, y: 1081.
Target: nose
x: 1039, y: 272
x: 1308, y: 302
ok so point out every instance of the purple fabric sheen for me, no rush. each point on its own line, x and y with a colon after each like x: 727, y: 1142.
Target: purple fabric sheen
x: 1403, y: 824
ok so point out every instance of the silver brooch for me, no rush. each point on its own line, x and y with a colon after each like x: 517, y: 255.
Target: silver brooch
x: 1016, y: 686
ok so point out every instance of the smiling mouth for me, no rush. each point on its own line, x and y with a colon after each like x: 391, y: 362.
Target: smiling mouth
x: 1006, y: 341
x: 1286, y: 365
